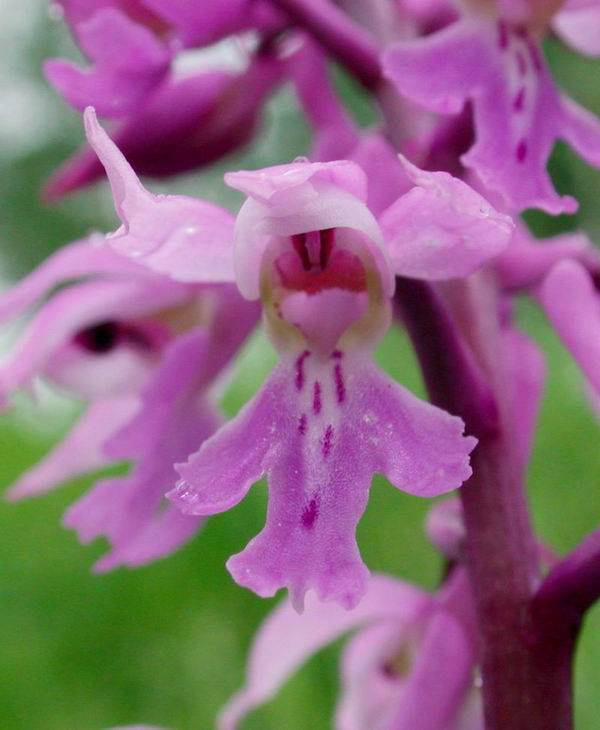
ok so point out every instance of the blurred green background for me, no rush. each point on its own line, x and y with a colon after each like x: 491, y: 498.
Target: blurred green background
x: 166, y: 644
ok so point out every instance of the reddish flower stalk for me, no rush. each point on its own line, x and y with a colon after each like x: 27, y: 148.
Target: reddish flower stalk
x: 526, y: 645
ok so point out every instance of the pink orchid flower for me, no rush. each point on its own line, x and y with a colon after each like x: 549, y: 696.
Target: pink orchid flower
x: 308, y: 247
x: 492, y: 57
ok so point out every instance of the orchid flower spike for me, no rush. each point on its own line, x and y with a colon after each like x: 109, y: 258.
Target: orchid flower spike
x: 492, y: 57
x: 309, y: 248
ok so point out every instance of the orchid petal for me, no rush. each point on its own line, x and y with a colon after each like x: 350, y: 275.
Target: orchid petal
x: 369, y: 690
x: 77, y: 260
x: 442, y: 228
x: 129, y: 62
x: 81, y: 451
x: 335, y: 132
x: 169, y: 423
x: 442, y: 673
x: 301, y: 197
x: 187, y: 239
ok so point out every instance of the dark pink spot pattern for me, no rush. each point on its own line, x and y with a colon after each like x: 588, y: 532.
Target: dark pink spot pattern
x: 317, y: 403
x: 340, y: 385
x: 310, y: 513
x: 300, y: 377
x: 327, y: 440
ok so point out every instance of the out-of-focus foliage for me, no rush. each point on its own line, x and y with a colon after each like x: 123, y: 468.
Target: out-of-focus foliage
x: 166, y: 644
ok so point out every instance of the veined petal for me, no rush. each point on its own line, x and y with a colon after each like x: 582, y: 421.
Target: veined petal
x: 286, y: 640
x: 317, y: 495
x: 189, y: 240
x: 573, y: 308
x: 129, y: 61
x: 81, y: 451
x: 442, y: 228
x: 518, y: 121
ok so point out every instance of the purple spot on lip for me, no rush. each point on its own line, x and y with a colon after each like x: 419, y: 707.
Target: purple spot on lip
x: 337, y: 354
x: 535, y: 56
x: 340, y: 386
x: 300, y: 370
x: 317, y: 397
x: 310, y: 513
x: 327, y: 441
x: 519, y: 101
x: 521, y: 151
x: 502, y: 35
x: 302, y: 424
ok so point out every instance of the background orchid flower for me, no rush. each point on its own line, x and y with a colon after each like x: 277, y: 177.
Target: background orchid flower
x: 129, y: 58
x: 492, y: 57
x: 131, y: 44
x: 209, y: 115
x: 390, y: 668
x: 309, y: 247
x: 143, y: 351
